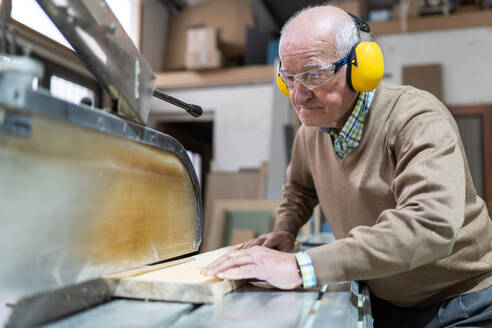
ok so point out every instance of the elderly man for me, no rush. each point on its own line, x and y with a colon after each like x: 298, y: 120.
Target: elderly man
x: 389, y: 171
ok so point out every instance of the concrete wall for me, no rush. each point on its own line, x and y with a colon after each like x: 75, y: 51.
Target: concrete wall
x: 464, y: 54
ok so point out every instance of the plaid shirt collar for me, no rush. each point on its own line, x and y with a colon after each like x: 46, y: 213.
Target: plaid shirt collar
x: 345, y: 141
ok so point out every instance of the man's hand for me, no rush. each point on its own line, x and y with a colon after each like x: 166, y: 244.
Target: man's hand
x: 277, y: 268
x: 279, y: 240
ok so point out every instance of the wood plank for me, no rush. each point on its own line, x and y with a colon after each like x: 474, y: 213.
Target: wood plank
x: 222, y: 206
x: 484, y: 110
x: 147, y: 268
x: 426, y: 77
x: 182, y: 282
x: 224, y: 185
x: 227, y: 76
x: 240, y: 236
x: 248, y: 184
x: 259, y: 221
x: 434, y: 22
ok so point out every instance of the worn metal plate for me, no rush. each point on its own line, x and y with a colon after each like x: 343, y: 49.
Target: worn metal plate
x: 254, y: 307
x: 126, y: 314
x: 54, y: 304
x: 15, y: 124
x: 338, y: 307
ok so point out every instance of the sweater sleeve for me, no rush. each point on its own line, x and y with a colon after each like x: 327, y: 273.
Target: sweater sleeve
x: 429, y: 190
x: 298, y: 193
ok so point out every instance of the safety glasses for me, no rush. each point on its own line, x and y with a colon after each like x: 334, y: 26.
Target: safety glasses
x: 314, y: 77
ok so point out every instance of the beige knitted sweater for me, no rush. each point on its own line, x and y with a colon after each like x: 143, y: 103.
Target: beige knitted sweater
x: 402, y: 206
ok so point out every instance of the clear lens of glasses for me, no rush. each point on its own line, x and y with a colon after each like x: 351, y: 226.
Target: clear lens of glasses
x: 311, y: 79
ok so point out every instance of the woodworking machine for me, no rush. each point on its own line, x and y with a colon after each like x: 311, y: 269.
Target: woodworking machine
x: 87, y: 192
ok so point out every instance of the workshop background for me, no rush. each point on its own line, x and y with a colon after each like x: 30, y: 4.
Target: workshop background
x: 224, y: 60
x: 220, y: 54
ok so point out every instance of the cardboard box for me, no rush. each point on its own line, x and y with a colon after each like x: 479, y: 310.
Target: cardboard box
x: 230, y: 17
x: 201, y: 39
x: 202, y: 48
x: 204, y: 59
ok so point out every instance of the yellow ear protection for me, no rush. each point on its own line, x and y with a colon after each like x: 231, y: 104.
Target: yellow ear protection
x: 365, y: 66
x: 280, y: 83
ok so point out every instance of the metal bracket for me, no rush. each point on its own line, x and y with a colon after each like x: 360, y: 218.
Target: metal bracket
x: 15, y: 124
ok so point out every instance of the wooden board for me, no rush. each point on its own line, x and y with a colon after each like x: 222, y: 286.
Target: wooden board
x: 240, y: 236
x: 146, y: 268
x: 225, y: 76
x: 426, y: 77
x: 222, y: 207
x: 182, y: 282
x: 433, y: 22
x: 259, y: 221
x: 485, y: 111
x: 220, y: 185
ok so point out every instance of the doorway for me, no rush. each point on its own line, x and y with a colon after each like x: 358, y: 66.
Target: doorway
x: 197, y: 138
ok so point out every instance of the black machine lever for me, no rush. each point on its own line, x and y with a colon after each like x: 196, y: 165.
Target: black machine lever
x: 193, y: 110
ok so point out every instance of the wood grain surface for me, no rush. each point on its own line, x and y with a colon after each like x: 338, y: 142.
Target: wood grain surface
x: 182, y: 282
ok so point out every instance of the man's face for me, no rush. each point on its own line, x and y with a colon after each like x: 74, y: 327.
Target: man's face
x: 327, y: 104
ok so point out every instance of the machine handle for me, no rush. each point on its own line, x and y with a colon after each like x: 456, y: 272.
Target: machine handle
x: 193, y: 110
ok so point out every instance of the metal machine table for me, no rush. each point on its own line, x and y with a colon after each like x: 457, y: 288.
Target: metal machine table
x: 335, y: 305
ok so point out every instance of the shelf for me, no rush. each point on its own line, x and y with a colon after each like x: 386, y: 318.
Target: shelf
x: 434, y: 22
x: 266, y: 73
x: 226, y: 76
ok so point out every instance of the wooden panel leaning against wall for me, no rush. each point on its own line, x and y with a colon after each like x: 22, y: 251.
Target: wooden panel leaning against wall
x: 249, y: 184
x: 481, y: 138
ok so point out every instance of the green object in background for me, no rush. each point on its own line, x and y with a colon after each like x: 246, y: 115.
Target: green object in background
x: 259, y: 221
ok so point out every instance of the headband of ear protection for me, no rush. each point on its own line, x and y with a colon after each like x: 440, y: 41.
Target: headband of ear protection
x: 365, y: 67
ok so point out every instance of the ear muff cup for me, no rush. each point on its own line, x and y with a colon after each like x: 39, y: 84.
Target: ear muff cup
x: 366, y: 67
x: 281, y: 85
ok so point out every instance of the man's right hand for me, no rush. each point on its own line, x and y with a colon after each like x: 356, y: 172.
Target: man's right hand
x: 279, y: 240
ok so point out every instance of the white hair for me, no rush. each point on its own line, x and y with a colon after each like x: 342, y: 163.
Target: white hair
x: 346, y: 32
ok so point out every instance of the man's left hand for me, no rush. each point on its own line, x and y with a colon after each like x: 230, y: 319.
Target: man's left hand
x: 279, y: 269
